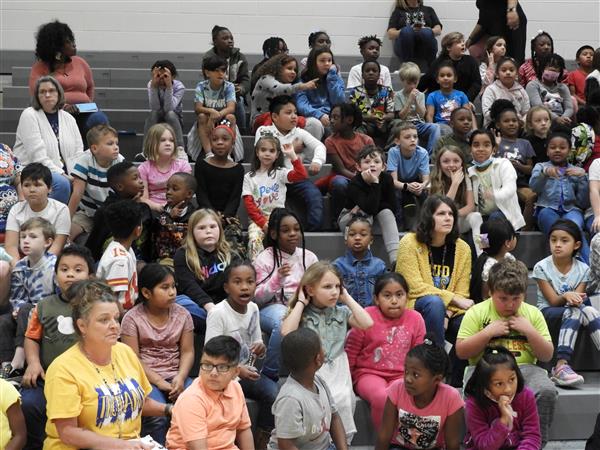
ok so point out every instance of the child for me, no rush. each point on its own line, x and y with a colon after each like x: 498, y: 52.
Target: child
x: 562, y: 280
x: 537, y: 127
x: 506, y: 87
x: 359, y: 267
x: 219, y: 185
x: 13, y: 433
x: 562, y: 188
x: 161, y: 162
x: 500, y: 410
x: 369, y: 46
x: 36, y: 182
x: 309, y: 150
x: 408, y: 165
x: 421, y: 411
x: 212, y: 412
x: 541, y: 45
x: 90, y: 187
x: 550, y: 91
x: 442, y: 102
x: 585, y: 137
x: 375, y: 102
x: 125, y: 184
x: 165, y: 94
x: 318, y: 102
x: 494, y: 181
x: 238, y: 317
x: 172, y: 223
x: 265, y: 186
x: 371, y: 194
x: 272, y: 46
x: 576, y: 79
x: 49, y: 333
x: 200, y: 264
x: 161, y: 333
x: 315, y: 306
x: 343, y: 146
x: 10, y: 184
x: 506, y: 320
x: 215, y: 100
x: 409, y: 105
x: 521, y: 154
x: 377, y: 355
x: 305, y: 413
x: 495, y: 49
x: 450, y: 179
x: 118, y: 263
x: 592, y: 81
x: 461, y: 123
x: 316, y: 39
x: 279, y: 269
x: 498, y: 239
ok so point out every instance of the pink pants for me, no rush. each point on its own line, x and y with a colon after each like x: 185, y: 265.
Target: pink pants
x: 373, y: 389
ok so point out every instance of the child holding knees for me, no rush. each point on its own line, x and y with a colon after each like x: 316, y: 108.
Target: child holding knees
x: 505, y: 87
x: 165, y: 95
x: 421, y: 411
x: 359, y: 267
x: 576, y: 79
x: 161, y: 333
x: 449, y: 178
x: 562, y: 189
x: 215, y: 100
x: 377, y: 355
x: 369, y: 46
x: 500, y: 410
x: 265, y: 186
x: 371, y: 194
x: 14, y: 433
x: 161, y: 162
x: 495, y: 49
x: 279, y: 269
x: 375, y: 102
x: 408, y: 164
x: 561, y: 296
x: 461, y: 124
x: 409, y: 106
x: 507, y: 320
x: 537, y: 129
x: 494, y: 181
x: 238, y: 316
x: 322, y: 304
x: 306, y: 415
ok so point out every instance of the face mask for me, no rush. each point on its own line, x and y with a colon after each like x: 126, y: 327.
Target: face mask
x: 550, y: 75
x: 482, y: 165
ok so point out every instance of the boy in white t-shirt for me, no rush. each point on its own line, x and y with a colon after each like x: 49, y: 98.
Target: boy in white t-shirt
x: 118, y: 263
x: 370, y: 46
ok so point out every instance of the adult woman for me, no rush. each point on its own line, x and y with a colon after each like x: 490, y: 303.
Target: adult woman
x: 413, y: 28
x: 55, y: 50
x: 437, y: 268
x: 513, y: 29
x: 97, y: 390
x: 47, y: 134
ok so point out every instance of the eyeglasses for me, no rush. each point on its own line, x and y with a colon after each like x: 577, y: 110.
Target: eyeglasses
x: 221, y: 368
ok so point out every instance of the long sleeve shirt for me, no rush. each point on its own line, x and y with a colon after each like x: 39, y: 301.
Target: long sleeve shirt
x: 359, y: 275
x: 371, y: 198
x: 556, y: 98
x: 219, y: 188
x: 566, y: 192
x: 169, y: 99
x: 318, y: 102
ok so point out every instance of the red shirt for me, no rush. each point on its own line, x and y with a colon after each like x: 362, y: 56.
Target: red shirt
x: 577, y: 80
x: 347, y: 149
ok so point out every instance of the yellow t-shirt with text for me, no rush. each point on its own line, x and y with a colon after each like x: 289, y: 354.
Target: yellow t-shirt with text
x: 8, y: 397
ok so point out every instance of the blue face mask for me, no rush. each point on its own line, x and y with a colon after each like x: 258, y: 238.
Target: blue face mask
x: 484, y: 164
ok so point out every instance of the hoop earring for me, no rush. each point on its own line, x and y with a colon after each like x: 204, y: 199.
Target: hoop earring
x: 58, y: 56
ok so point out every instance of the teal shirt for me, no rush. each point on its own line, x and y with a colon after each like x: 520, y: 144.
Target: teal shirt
x: 331, y: 324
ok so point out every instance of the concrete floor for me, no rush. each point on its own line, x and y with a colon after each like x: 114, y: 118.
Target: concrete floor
x: 553, y: 445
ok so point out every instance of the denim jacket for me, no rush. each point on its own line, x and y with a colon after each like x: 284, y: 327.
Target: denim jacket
x: 574, y: 190
x: 359, y: 275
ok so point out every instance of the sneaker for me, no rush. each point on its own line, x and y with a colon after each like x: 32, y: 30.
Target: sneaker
x: 565, y: 376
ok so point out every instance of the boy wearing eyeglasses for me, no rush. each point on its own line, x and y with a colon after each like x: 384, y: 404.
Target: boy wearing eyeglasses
x: 212, y: 412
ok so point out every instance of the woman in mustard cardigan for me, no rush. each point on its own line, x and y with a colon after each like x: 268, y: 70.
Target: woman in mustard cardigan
x: 437, y: 267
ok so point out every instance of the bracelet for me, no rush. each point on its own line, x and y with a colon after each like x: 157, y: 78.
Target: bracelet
x: 305, y: 304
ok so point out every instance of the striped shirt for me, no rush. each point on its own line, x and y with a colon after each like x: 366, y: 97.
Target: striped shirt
x: 118, y: 268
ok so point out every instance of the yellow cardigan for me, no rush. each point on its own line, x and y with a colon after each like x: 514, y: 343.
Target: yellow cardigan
x: 413, y: 264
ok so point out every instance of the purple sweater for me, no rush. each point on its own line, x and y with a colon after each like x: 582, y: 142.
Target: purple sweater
x: 486, y: 432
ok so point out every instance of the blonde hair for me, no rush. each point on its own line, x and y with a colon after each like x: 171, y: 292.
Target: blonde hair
x: 191, y: 248
x: 84, y: 295
x: 311, y: 277
x: 152, y: 141
x: 409, y: 71
x: 529, y: 117
x: 449, y: 40
x: 95, y: 134
x: 440, y: 183
x: 47, y: 228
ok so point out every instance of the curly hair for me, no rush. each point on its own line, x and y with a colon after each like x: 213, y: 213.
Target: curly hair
x: 50, y: 40
x: 366, y: 39
x: 272, y: 66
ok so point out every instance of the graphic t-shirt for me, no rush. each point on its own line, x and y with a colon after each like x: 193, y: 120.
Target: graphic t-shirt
x: 423, y: 428
x: 268, y: 191
x: 215, y: 99
x: 8, y: 397
x: 444, y: 104
x: 106, y: 400
x: 118, y: 267
x: 486, y: 206
x: 560, y: 282
x: 441, y: 261
x: 519, y: 150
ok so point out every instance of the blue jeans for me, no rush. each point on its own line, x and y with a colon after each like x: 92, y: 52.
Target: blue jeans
x: 588, y: 226
x: 33, y: 404
x: 270, y: 323
x: 547, y: 216
x: 61, y: 188
x: 338, y: 187
x: 431, y: 131
x: 264, y: 391
x: 198, y: 313
x: 240, y: 113
x: 312, y: 198
x: 157, y: 426
x: 411, y: 42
